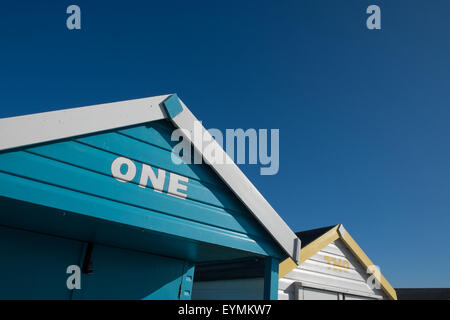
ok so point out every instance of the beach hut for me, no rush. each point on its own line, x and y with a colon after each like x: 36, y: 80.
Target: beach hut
x: 332, y: 267
x: 95, y: 205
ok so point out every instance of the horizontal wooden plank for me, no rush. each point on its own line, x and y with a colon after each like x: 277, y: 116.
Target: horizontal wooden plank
x: 157, y: 133
x: 333, y: 249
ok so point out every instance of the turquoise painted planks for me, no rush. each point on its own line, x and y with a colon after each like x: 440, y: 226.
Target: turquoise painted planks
x: 34, y: 267
x: 60, y: 198
x: 143, y: 152
x: 129, y: 274
x: 72, y: 225
x: 80, y: 180
x: 87, y: 157
x: 157, y: 133
x: 75, y: 175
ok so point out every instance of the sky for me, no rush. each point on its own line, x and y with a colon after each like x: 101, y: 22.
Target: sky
x: 363, y: 114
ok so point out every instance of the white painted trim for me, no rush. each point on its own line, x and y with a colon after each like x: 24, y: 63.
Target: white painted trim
x: 48, y: 126
x: 55, y: 125
x: 236, y: 180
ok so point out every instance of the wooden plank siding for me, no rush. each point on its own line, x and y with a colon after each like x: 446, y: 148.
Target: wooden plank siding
x: 75, y: 175
x: 320, y: 272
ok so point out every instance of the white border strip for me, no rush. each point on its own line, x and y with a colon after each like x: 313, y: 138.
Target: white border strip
x: 236, y: 180
x: 48, y: 126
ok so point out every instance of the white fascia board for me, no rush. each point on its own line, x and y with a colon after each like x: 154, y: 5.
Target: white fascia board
x: 241, y: 186
x: 54, y: 125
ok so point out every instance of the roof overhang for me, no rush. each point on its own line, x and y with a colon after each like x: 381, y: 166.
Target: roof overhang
x: 21, y: 131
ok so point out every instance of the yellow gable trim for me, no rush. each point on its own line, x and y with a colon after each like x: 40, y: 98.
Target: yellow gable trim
x: 285, y: 267
x: 337, y: 232
x: 318, y: 244
x: 307, y: 252
x: 366, y: 262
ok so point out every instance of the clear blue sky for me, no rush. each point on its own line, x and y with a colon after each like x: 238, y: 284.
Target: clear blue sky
x: 363, y: 115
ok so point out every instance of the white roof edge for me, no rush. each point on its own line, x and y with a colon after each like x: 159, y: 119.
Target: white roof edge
x: 238, y: 182
x: 43, y: 127
x: 54, y: 125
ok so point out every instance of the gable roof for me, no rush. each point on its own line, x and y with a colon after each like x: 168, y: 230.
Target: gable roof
x: 309, y: 236
x: 16, y: 132
x: 315, y: 240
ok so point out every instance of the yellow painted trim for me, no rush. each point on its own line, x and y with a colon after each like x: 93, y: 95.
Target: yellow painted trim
x: 366, y: 262
x: 318, y: 244
x: 285, y: 267
x: 333, y: 234
x: 307, y: 252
